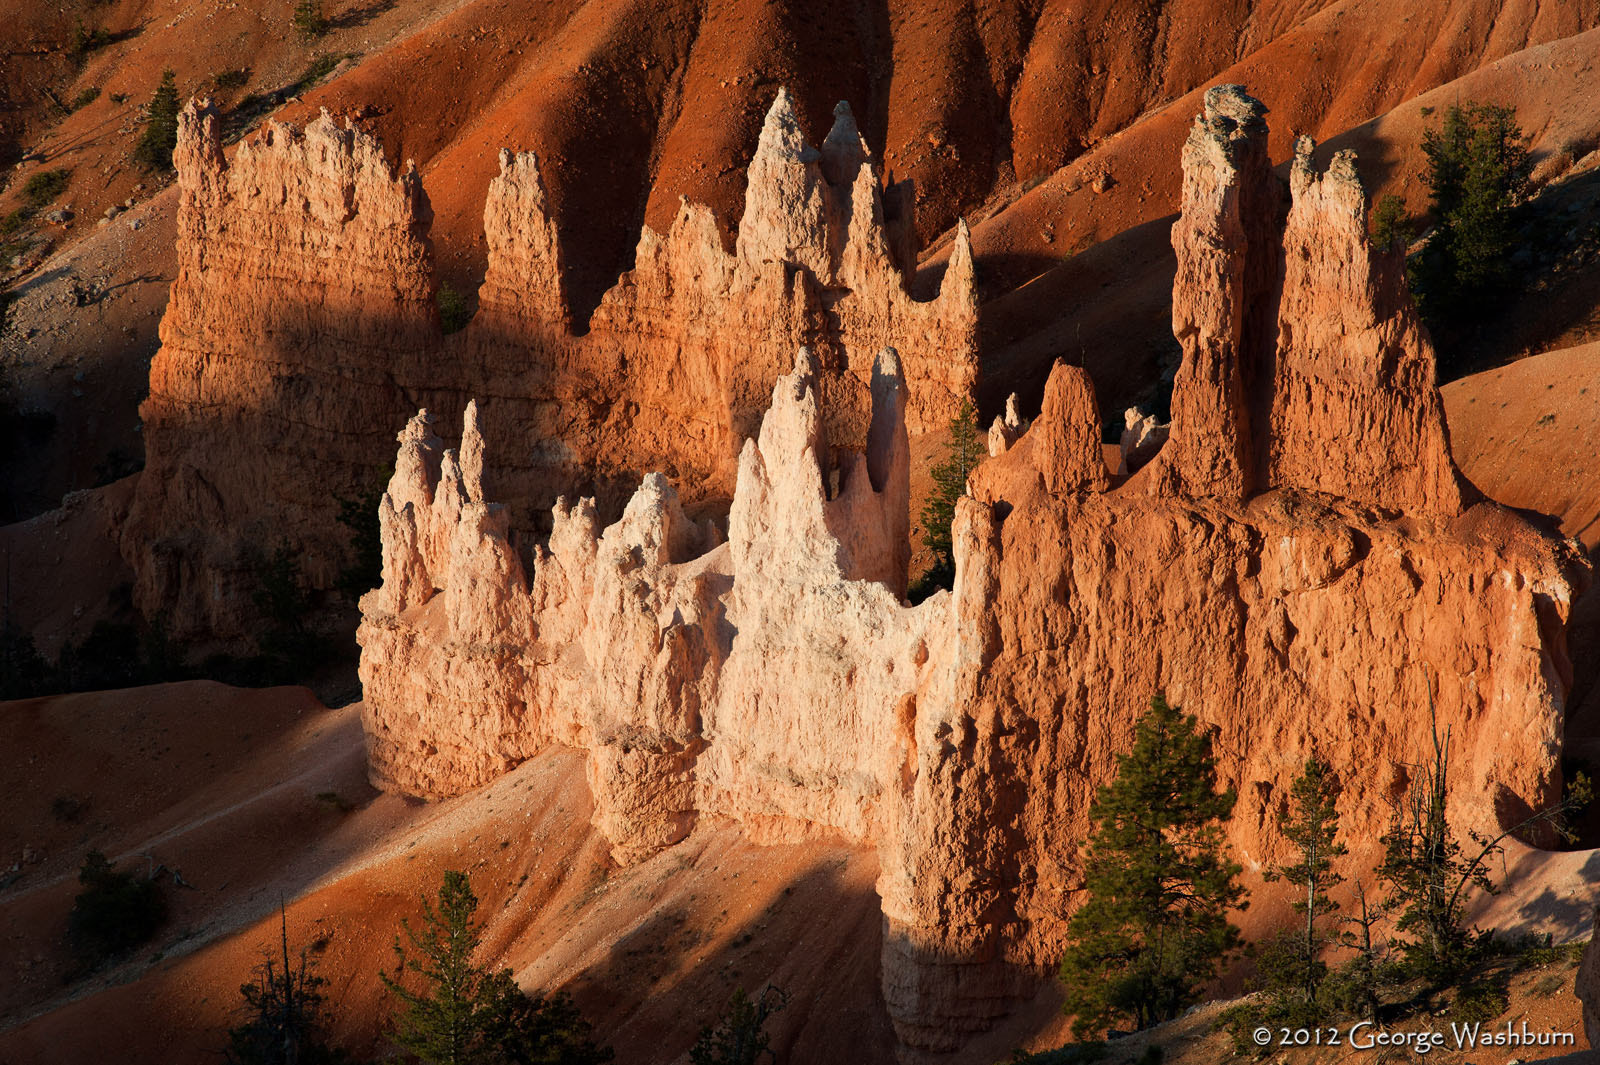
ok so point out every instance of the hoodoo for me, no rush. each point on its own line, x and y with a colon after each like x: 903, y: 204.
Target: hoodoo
x: 302, y: 330
x: 1299, y: 566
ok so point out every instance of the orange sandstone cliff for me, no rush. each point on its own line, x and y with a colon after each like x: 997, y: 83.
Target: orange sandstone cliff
x: 1300, y: 565
x: 302, y: 331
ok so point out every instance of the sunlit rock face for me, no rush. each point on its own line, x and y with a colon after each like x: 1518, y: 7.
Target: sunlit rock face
x: 302, y: 331
x: 1298, y: 565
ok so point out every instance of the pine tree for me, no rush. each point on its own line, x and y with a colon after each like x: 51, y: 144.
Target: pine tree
x: 1153, y: 929
x: 1311, y: 825
x: 1354, y: 986
x: 1430, y: 876
x: 160, y: 136
x: 283, y: 1007
x: 1391, y: 226
x: 962, y: 454
x: 1478, y: 172
x: 740, y: 1038
x: 466, y: 1014
x: 445, y: 1022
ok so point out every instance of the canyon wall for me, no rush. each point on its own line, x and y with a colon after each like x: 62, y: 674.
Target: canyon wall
x: 302, y: 332
x: 777, y: 677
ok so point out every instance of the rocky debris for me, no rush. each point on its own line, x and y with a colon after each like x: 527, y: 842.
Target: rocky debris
x: 304, y: 306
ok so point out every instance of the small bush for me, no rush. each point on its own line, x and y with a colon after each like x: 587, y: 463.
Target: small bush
x: 284, y: 1016
x: 1391, y: 226
x: 45, y: 186
x: 739, y: 1037
x: 453, y: 314
x: 86, y: 97
x: 309, y: 20
x: 86, y: 39
x: 231, y: 79
x: 114, y: 912
x: 1550, y: 984
x: 24, y: 673
x: 119, y: 97
x: 1084, y: 1053
x: 359, y: 514
x: 1481, y: 1000
x: 963, y: 452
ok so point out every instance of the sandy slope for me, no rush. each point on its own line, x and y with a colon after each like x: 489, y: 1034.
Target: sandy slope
x: 257, y: 796
x: 224, y: 785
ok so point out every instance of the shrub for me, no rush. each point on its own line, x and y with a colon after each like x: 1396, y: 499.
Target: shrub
x: 160, y: 135
x: 359, y: 514
x: 86, y: 39
x: 1392, y: 228
x: 309, y: 20
x: 1431, y: 876
x: 284, y: 1022
x: 43, y: 187
x: 24, y: 673
x: 230, y: 79
x: 86, y: 97
x: 453, y: 314
x: 740, y: 1037
x: 115, y: 911
x: 1153, y: 929
x: 963, y: 452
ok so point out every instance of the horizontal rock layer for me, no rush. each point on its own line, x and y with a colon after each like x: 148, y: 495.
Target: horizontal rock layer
x: 302, y: 332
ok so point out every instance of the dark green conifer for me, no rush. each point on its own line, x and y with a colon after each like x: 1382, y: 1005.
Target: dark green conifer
x: 466, y: 1014
x: 740, y: 1037
x: 1311, y: 825
x: 1153, y: 929
x: 963, y: 452
x: 160, y: 136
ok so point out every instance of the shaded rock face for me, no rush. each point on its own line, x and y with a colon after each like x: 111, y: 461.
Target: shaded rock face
x: 301, y: 319
x: 1588, y: 988
x: 302, y: 332
x: 779, y: 678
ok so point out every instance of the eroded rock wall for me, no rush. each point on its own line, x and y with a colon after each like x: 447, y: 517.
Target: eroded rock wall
x: 779, y: 678
x: 301, y: 316
x: 302, y: 333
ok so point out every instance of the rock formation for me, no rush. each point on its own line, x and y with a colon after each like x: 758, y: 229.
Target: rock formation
x: 1588, y: 987
x: 301, y: 333
x: 779, y: 679
x: 1142, y: 438
x: 301, y: 317
x: 1294, y: 334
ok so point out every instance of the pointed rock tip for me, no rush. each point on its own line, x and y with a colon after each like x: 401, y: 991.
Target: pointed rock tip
x: 887, y: 364
x: 805, y: 365
x: 1234, y: 103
